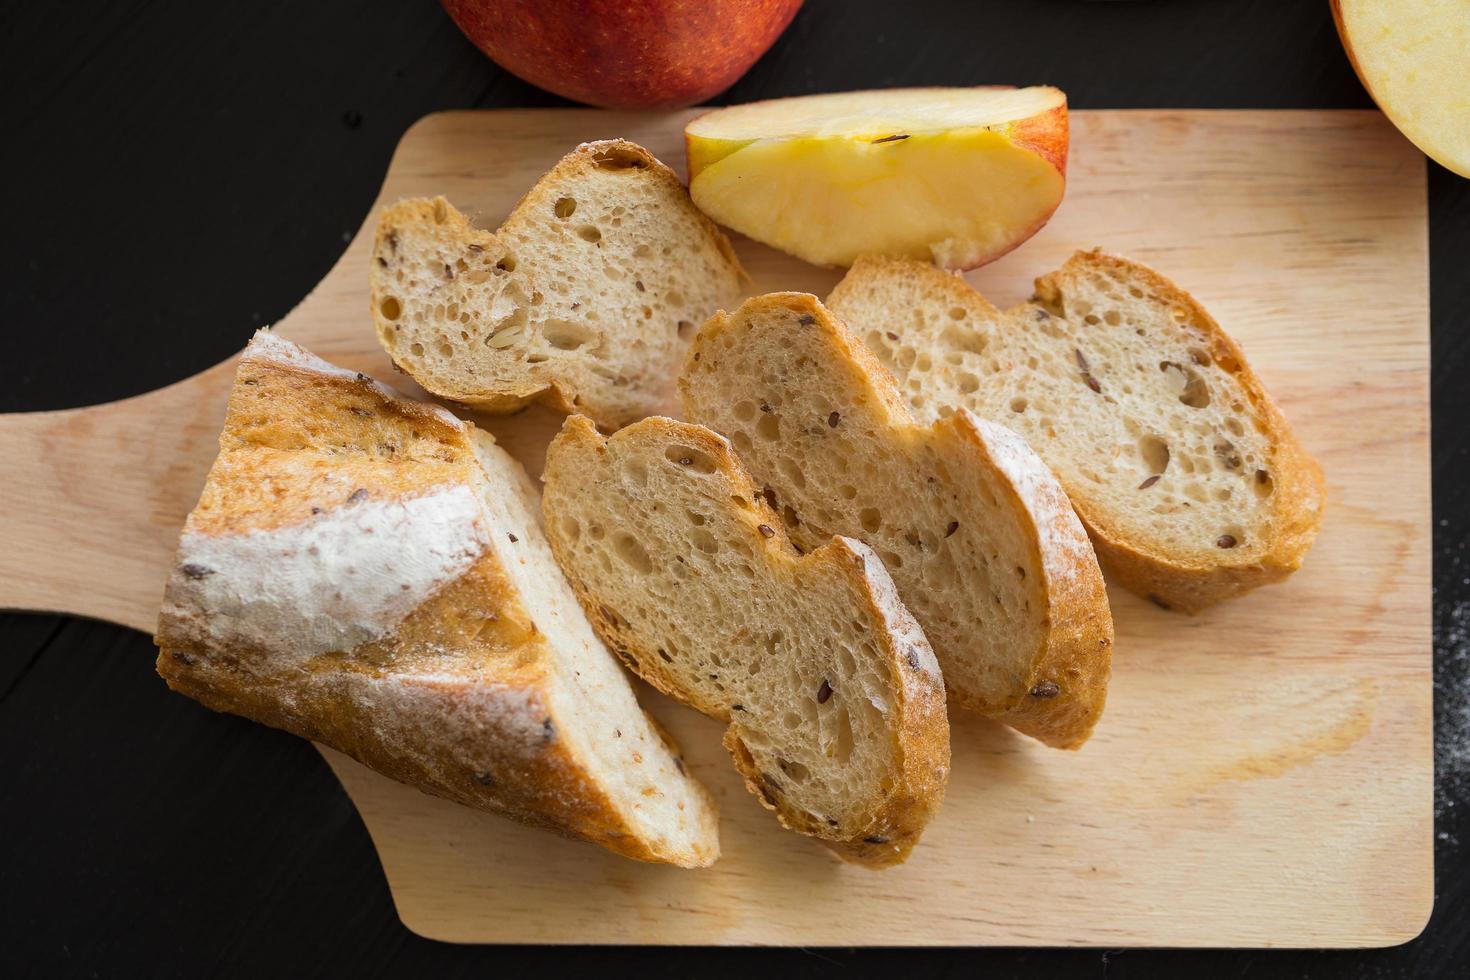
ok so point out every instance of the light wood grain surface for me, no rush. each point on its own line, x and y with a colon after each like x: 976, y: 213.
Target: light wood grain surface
x: 1262, y: 776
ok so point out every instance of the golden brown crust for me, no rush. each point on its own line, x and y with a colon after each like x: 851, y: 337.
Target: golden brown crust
x: 921, y: 726
x: 1068, y: 687
x: 275, y: 409
x: 456, y: 700
x: 1175, y: 581
x: 510, y: 761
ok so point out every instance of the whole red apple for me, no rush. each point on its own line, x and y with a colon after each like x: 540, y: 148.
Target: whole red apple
x: 625, y: 54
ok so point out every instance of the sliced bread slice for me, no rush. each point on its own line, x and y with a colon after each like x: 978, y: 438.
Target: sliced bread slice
x: 1176, y: 459
x: 973, y: 528
x: 834, y: 700
x: 584, y: 299
x: 369, y: 572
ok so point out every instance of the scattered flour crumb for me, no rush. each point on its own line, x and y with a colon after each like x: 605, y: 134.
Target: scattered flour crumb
x: 1452, y: 694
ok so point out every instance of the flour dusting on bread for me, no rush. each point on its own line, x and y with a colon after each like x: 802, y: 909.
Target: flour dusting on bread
x: 514, y: 718
x: 907, y: 634
x: 1064, y: 544
x: 338, y: 580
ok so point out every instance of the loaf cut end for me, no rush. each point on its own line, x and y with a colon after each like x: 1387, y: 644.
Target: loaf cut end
x: 369, y: 572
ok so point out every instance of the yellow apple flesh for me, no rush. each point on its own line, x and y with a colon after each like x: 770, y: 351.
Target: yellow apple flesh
x: 1413, y: 57
x: 957, y: 176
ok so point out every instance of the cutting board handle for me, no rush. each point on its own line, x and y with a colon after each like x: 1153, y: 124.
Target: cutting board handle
x: 93, y: 498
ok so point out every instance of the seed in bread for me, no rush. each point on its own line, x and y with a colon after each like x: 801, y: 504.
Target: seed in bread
x: 369, y: 572
x: 1176, y: 458
x: 583, y: 300
x: 975, y: 531
x: 834, y: 700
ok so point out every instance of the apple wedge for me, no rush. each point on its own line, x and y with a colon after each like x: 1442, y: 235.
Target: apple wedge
x: 1413, y: 57
x: 958, y: 176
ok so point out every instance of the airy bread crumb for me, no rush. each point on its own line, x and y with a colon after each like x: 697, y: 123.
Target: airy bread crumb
x: 834, y: 701
x: 977, y: 534
x: 1176, y: 459
x: 583, y: 300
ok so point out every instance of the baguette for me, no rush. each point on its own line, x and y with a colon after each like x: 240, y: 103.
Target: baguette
x: 975, y: 531
x: 834, y: 701
x: 369, y: 572
x: 1177, y: 460
x: 583, y: 300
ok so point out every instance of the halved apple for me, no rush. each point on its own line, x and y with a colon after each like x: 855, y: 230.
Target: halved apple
x: 1413, y: 57
x: 959, y: 176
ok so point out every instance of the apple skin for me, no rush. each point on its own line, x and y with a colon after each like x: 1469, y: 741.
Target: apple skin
x: 1347, y: 44
x: 1046, y: 135
x: 1347, y: 49
x: 619, y: 54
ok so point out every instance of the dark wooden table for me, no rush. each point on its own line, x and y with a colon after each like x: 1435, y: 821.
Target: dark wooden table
x: 179, y: 174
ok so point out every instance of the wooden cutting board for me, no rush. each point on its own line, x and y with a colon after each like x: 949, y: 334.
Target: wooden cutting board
x: 1263, y: 774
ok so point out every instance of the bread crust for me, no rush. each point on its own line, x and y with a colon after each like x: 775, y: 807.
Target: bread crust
x: 446, y: 700
x: 924, y: 740
x: 1176, y: 581
x: 1075, y: 651
x: 1068, y: 687
x: 921, y: 731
